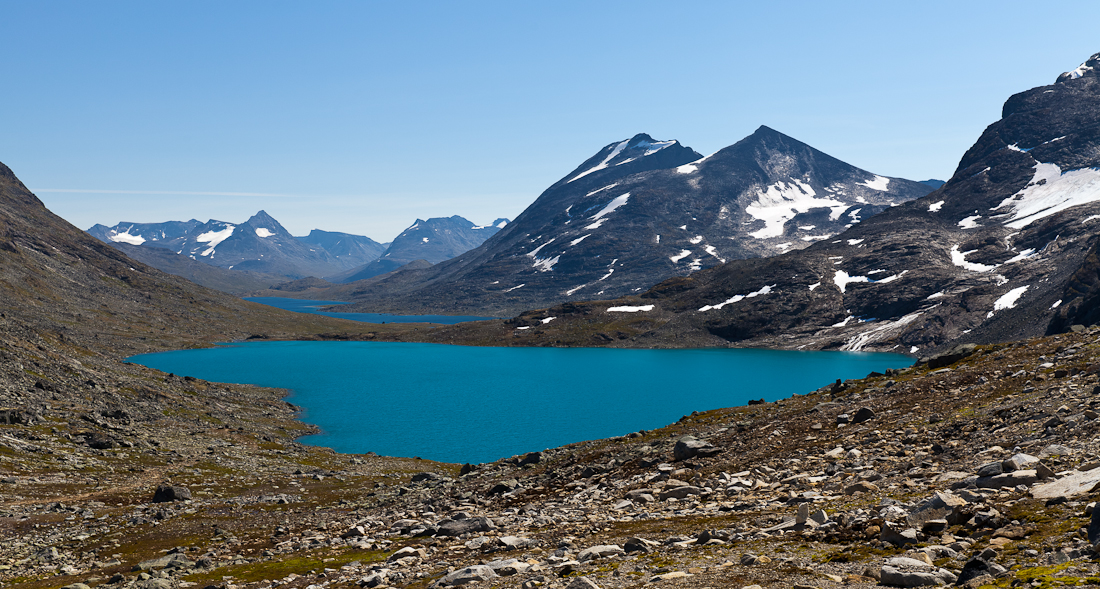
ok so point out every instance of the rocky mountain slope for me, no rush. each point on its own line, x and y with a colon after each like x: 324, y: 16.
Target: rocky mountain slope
x: 1006, y: 249
x: 434, y: 240
x: 642, y: 210
x: 351, y: 249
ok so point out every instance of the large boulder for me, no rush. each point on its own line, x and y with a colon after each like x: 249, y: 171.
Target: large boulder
x: 901, y: 571
x: 457, y: 527
x: 690, y: 447
x: 167, y: 493
x: 949, y: 357
x: 471, y: 574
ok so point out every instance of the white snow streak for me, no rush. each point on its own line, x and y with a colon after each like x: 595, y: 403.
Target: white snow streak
x: 603, y: 164
x: 578, y: 240
x: 263, y: 232
x: 630, y: 309
x: 815, y: 285
x: 738, y: 298
x: 1056, y: 303
x: 609, y: 186
x: 878, y: 332
x: 615, y: 203
x: 515, y: 287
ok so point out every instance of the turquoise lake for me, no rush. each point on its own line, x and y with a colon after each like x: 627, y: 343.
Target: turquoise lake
x: 475, y: 404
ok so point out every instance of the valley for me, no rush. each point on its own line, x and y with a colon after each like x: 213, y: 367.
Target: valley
x: 976, y: 466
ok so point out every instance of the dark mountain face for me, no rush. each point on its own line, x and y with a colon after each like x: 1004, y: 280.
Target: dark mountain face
x: 346, y: 246
x: 640, y: 211
x: 1007, y: 248
x: 62, y: 285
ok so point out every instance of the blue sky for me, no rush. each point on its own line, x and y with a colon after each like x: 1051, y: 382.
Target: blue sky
x: 362, y: 116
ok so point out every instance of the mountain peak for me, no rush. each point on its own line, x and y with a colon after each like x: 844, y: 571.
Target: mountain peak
x: 1089, y: 69
x: 639, y: 153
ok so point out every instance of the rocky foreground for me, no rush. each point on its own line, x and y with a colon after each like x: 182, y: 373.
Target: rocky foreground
x: 977, y: 469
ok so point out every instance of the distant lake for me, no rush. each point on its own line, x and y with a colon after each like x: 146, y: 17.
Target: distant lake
x: 478, y: 404
x: 308, y: 306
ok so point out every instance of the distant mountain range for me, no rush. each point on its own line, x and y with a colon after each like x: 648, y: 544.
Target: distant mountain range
x: 640, y: 211
x: 1008, y: 248
x: 433, y: 241
x: 259, y: 253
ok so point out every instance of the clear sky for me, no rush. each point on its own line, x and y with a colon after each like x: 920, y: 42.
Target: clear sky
x: 362, y: 116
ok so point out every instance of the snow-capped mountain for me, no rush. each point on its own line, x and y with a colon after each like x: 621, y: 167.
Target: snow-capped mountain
x: 260, y: 244
x: 643, y: 210
x: 434, y: 240
x: 148, y: 234
x: 1007, y: 248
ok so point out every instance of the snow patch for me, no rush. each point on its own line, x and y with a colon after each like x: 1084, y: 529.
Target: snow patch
x: 959, y: 259
x: 579, y: 239
x: 214, y: 238
x: 738, y: 298
x: 615, y: 203
x: 934, y: 295
x: 783, y: 246
x: 710, y: 249
x: 548, y: 320
x: 855, y: 241
x: 815, y: 285
x: 696, y: 240
x: 127, y: 237
x: 843, y: 323
x: 262, y: 232
x: 879, y: 183
x: 1051, y: 191
x: 630, y: 309
x: 1056, y: 303
x: 970, y: 222
x: 424, y: 240
x: 683, y: 254
x: 515, y: 287
x: 693, y: 166
x: 936, y: 206
x: 817, y: 237
x: 842, y: 279
x: 545, y: 264
x: 1008, y: 300
x: 536, y: 251
x: 781, y: 201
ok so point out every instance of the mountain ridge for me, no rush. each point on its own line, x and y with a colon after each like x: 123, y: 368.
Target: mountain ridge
x: 620, y: 222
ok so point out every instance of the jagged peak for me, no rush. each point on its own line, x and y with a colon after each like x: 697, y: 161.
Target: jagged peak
x: 1089, y: 69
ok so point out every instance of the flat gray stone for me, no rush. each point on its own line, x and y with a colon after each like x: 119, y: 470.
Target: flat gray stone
x: 602, y: 551
x: 471, y: 574
x: 1009, y: 479
x: 1073, y: 485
